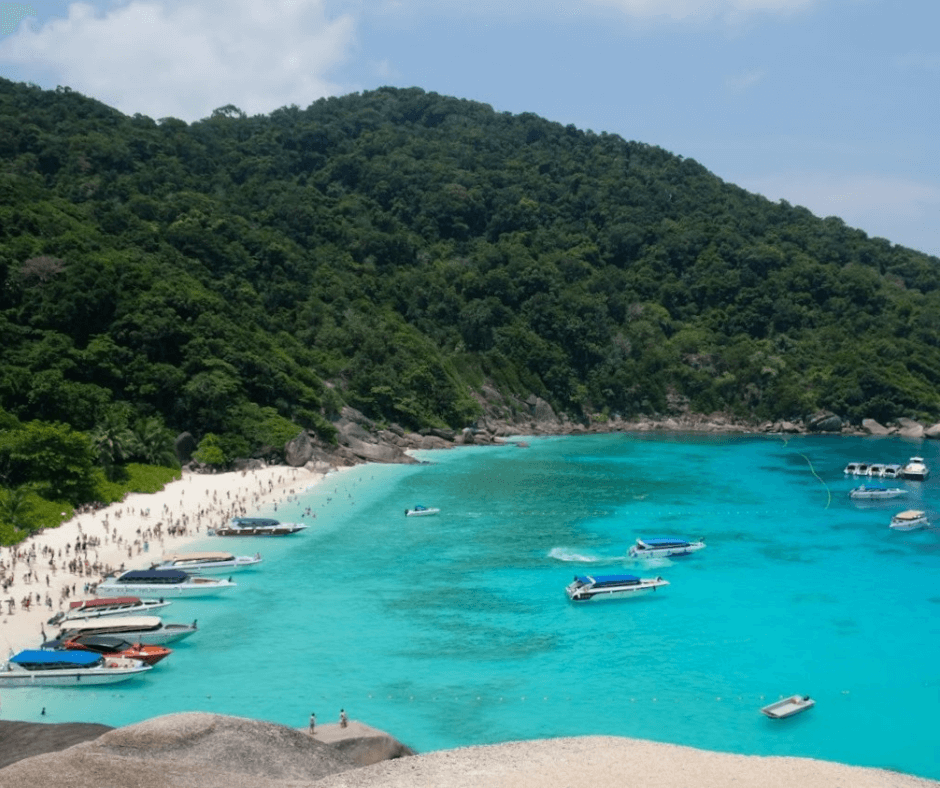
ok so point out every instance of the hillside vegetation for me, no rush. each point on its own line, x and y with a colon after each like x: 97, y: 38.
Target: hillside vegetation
x: 243, y: 277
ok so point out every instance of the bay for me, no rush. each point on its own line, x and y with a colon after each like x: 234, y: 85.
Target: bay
x: 454, y: 629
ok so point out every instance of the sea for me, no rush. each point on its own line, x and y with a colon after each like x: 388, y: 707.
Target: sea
x: 454, y: 629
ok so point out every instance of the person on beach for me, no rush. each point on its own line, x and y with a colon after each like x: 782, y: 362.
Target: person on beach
x: 313, y: 722
x: 343, y: 720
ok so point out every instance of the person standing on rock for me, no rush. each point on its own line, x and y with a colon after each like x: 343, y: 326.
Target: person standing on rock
x: 343, y: 719
x: 313, y: 722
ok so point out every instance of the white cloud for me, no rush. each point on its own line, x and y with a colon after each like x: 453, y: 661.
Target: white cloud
x: 902, y: 210
x: 184, y: 58
x: 701, y: 9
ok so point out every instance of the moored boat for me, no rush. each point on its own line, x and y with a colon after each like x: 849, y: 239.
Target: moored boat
x: 421, y: 511
x: 36, y: 668
x: 857, y: 468
x: 110, y: 646
x: 664, y: 546
x: 868, y: 492
x: 206, y: 563
x: 162, y: 583
x: 256, y: 526
x: 909, y: 520
x: 111, y: 606
x: 149, y: 630
x: 915, y: 469
x: 587, y: 587
x: 788, y: 707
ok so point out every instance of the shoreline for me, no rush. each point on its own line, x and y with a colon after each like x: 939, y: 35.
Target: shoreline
x: 57, y: 565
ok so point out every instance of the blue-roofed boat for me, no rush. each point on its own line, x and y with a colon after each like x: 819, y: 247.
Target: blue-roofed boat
x: 664, y: 546
x: 875, y: 492
x: 256, y: 526
x: 40, y: 668
x: 586, y: 587
x: 421, y: 511
x: 161, y: 583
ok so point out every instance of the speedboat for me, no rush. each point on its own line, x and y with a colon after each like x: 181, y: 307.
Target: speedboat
x: 891, y: 472
x: 257, y: 526
x: 909, y: 520
x: 587, y: 587
x: 788, y: 707
x: 149, y: 630
x: 876, y: 469
x: 662, y: 546
x: 420, y: 511
x: 915, y: 469
x: 857, y: 468
x: 876, y: 493
x: 114, y: 606
x: 37, y: 668
x: 162, y: 583
x: 207, y: 563
x: 110, y: 647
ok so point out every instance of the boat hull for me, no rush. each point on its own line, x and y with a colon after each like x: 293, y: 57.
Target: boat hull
x: 664, y: 552
x: 169, y: 633
x: 164, y: 591
x: 787, y: 707
x: 578, y: 592
x: 275, y: 531
x: 69, y: 678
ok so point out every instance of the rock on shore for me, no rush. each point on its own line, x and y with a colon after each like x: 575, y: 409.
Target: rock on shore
x: 197, y: 750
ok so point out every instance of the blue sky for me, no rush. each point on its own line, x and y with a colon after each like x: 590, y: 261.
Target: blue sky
x: 829, y: 104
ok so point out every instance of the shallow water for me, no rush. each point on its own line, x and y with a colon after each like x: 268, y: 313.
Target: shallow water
x: 454, y: 629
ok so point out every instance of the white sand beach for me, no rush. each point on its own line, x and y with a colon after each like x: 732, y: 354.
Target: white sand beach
x: 56, y: 566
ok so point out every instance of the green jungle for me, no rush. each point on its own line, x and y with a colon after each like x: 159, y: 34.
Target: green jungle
x: 243, y: 278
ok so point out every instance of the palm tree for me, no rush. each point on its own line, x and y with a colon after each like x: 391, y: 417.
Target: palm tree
x: 155, y: 443
x: 16, y: 509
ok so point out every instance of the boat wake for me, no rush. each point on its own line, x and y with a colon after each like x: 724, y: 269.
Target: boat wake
x: 570, y: 556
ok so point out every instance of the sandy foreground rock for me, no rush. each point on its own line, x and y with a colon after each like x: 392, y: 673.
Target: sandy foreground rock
x: 197, y: 750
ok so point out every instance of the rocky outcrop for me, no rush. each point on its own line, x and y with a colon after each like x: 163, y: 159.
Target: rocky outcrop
x: 824, y: 422
x: 361, y: 744
x: 184, y: 446
x: 19, y: 740
x: 908, y: 428
x: 195, y: 750
x: 932, y: 432
x: 872, y: 427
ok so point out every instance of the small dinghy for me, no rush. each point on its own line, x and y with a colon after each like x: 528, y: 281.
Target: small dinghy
x: 788, y: 707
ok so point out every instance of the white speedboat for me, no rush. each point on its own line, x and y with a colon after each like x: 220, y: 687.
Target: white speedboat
x: 869, y: 492
x: 257, y: 526
x: 891, y: 472
x: 788, y: 707
x: 587, y: 587
x: 663, y: 546
x: 39, y: 668
x: 207, y: 563
x: 421, y: 511
x: 112, y: 606
x: 909, y: 520
x: 876, y: 469
x: 857, y: 468
x: 149, y: 630
x: 915, y: 469
x: 161, y: 583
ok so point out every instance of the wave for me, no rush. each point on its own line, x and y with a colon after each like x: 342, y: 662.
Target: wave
x: 571, y: 556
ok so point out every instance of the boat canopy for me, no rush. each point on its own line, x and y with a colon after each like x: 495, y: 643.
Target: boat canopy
x: 254, y: 522
x: 114, y: 624
x: 155, y: 576
x: 207, y: 556
x: 609, y: 580
x: 79, y: 659
x: 664, y: 541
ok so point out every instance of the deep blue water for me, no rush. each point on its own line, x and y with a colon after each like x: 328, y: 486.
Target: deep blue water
x: 454, y: 630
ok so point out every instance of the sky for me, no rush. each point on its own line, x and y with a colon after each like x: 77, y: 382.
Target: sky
x: 829, y: 104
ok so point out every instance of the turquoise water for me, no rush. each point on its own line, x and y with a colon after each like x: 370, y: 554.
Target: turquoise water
x: 455, y: 630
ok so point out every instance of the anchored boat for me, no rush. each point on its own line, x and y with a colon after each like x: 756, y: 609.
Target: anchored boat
x: 788, y: 707
x: 36, y: 668
x: 162, y: 583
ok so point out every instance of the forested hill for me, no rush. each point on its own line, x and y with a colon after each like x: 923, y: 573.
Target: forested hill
x: 396, y: 250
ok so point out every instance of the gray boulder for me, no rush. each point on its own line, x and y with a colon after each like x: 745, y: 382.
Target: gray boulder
x: 933, y: 432
x: 908, y: 428
x: 824, y: 422
x: 184, y: 445
x: 872, y: 427
x: 299, y: 451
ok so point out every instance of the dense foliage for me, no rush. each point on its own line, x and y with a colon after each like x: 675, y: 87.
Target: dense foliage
x: 241, y: 277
